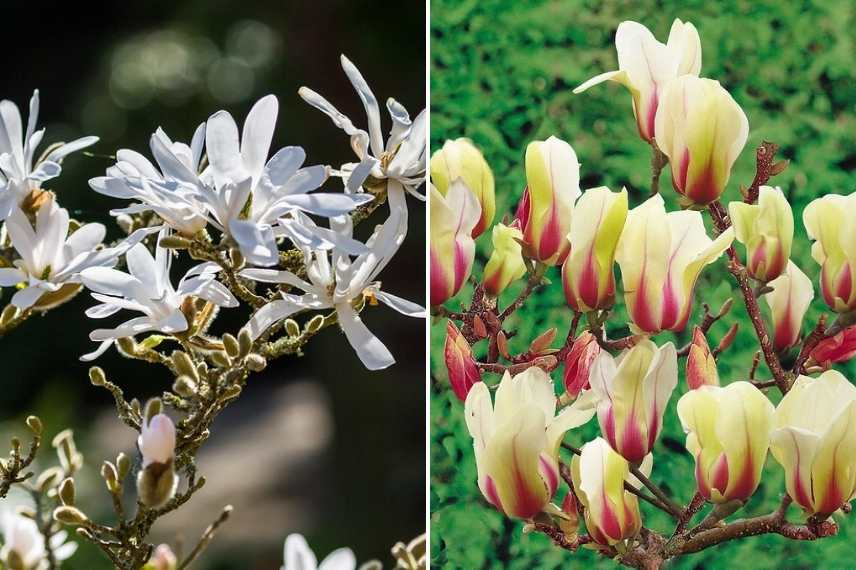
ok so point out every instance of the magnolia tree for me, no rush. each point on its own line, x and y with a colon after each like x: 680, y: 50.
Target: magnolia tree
x: 262, y: 234
x: 694, y: 126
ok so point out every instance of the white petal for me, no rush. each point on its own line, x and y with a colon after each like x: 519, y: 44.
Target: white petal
x: 284, y: 164
x: 297, y: 554
x: 221, y: 138
x: 403, y: 306
x: 340, y: 559
x: 61, y: 152
x: 102, y: 348
x: 11, y: 276
x: 27, y: 297
x: 371, y: 351
x: 271, y: 313
x: 369, y: 102
x: 256, y: 242
x: 258, y: 134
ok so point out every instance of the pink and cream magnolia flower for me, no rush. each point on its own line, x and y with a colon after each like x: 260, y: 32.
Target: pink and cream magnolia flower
x: 578, y: 363
x: 506, y: 261
x: 157, y: 440
x: 728, y: 433
x: 701, y: 365
x: 544, y: 211
x: 587, y: 274
x: 599, y: 474
x: 838, y: 348
x: 460, y: 364
x: 702, y: 130
x: 646, y: 65
x: 631, y: 392
x: 460, y: 158
x: 453, y: 250
x: 767, y: 230
x: 831, y: 221
x: 815, y: 442
x: 516, y: 440
x: 661, y: 256
x: 788, y: 301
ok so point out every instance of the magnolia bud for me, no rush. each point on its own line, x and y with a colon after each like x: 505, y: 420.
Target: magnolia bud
x: 48, y: 479
x: 460, y: 364
x: 230, y: 343
x: 256, y: 362
x: 245, y: 343
x: 97, y: 376
x: 701, y: 366
x: 291, y: 327
x: 123, y: 466
x: 67, y: 492
x: 184, y: 364
x: 542, y: 342
x: 126, y: 345
x: 153, y: 408
x: 236, y: 257
x: 110, y: 476
x: 314, y: 324
x: 69, y: 515
x: 174, y: 242
x: 506, y: 262
x: 35, y: 424
x: 157, y: 481
x: 156, y: 484
x: 162, y: 559
x: 184, y: 386
x: 8, y: 314
x: 221, y: 359
x: 578, y: 363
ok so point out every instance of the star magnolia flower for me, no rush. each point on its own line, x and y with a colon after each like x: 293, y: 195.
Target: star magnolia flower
x: 587, y: 274
x: 401, y: 160
x: 645, y: 66
x: 133, y: 177
x: 516, y: 440
x: 815, y: 442
x: 339, y: 285
x: 631, y: 392
x: 25, y: 544
x: 461, y: 159
x: 831, y: 221
x: 702, y: 130
x: 298, y: 556
x: 51, y: 259
x: 148, y: 290
x: 599, y: 474
x: 452, y: 249
x: 728, y: 432
x: 661, y: 256
x: 544, y: 211
x: 767, y: 230
x: 788, y: 301
x: 18, y: 175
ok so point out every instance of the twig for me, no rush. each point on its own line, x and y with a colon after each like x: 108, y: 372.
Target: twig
x: 671, y: 507
x: 206, y: 538
x: 658, y: 161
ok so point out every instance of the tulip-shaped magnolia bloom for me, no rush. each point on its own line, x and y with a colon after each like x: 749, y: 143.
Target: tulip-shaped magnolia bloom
x: 728, y: 432
x: 838, y: 348
x: 578, y: 363
x: 587, y: 274
x: 814, y: 439
x: 453, y: 250
x: 516, y: 440
x: 599, y: 474
x: 506, y: 262
x: 702, y: 130
x: 789, y: 300
x: 631, y: 393
x: 767, y: 230
x: 544, y: 212
x: 701, y: 365
x: 460, y: 364
x: 461, y: 159
x: 661, y: 256
x: 831, y: 221
x: 645, y: 66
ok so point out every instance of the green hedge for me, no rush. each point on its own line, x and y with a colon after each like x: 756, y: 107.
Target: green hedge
x: 502, y: 74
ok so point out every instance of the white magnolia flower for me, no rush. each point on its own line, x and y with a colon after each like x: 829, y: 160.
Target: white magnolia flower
x: 401, y: 159
x: 166, y: 192
x: 18, y: 175
x: 298, y: 556
x: 148, y: 290
x: 339, y: 283
x: 23, y: 541
x: 50, y: 257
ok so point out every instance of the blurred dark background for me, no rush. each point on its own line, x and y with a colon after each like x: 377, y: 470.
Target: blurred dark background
x: 317, y: 444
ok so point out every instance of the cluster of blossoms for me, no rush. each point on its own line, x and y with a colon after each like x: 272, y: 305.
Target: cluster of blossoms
x: 694, y: 125
x: 263, y: 234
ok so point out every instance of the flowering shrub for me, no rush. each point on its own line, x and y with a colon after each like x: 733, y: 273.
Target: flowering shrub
x: 265, y: 232
x: 525, y: 461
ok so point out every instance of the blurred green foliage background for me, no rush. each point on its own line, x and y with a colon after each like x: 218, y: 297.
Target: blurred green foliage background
x: 121, y: 69
x: 502, y: 74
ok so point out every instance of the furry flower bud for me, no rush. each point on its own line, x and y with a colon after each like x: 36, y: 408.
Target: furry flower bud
x: 701, y: 365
